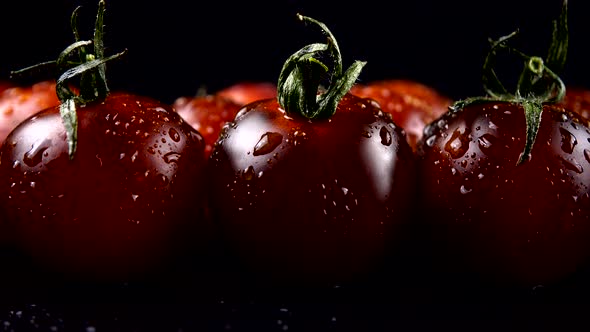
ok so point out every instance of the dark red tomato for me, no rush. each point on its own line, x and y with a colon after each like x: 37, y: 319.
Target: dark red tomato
x: 246, y: 92
x: 577, y: 99
x: 526, y: 224
x: 413, y: 105
x: 207, y: 114
x: 19, y: 102
x: 129, y: 201
x: 309, y: 201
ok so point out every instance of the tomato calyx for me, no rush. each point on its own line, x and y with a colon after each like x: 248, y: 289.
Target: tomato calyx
x: 299, y: 88
x: 537, y: 85
x: 76, y: 60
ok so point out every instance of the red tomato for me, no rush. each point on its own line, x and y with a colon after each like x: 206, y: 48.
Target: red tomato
x: 524, y: 224
x: 413, y: 105
x: 246, y: 92
x: 19, y: 102
x: 577, y: 99
x: 106, y: 186
x: 312, y: 198
x: 122, y: 206
x: 207, y: 114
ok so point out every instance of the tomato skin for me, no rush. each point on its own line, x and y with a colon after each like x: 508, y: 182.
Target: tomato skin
x: 303, y: 202
x: 122, y: 207
x: 413, y: 105
x: 207, y: 114
x: 577, y: 100
x: 524, y: 225
x: 246, y: 92
x: 19, y: 102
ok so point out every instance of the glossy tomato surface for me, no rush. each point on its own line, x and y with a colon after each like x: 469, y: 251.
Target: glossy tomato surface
x: 246, y: 92
x: 577, y: 100
x: 207, y: 114
x: 128, y: 202
x: 523, y: 225
x: 412, y: 104
x: 306, y: 202
x: 19, y: 102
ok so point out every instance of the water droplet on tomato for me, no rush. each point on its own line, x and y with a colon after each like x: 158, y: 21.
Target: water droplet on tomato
x: 174, y: 135
x: 385, y: 136
x: 249, y: 173
x: 35, y: 155
x: 568, y: 141
x: 267, y: 143
x: 457, y: 145
x: 171, y: 157
x: 464, y: 190
x: 587, y: 155
x: 151, y: 150
x: 485, y: 141
x: 573, y: 165
x: 430, y: 140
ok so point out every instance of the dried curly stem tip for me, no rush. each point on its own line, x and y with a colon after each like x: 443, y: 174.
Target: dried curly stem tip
x: 538, y: 83
x: 301, y: 76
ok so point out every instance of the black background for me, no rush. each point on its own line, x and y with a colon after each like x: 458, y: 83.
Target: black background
x: 177, y: 46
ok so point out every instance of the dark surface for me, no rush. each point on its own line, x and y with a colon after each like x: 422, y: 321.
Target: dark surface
x: 175, y: 47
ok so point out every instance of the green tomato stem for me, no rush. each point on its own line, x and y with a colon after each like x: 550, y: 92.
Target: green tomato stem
x: 300, y: 92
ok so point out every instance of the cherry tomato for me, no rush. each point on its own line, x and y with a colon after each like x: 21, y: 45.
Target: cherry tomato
x: 412, y: 104
x: 19, y: 102
x: 312, y: 200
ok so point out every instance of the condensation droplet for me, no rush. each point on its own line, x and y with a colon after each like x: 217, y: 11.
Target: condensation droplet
x: 457, y: 145
x: 174, y: 135
x: 267, y: 143
x: 35, y: 155
x: 464, y: 190
x: 485, y: 141
x: 171, y: 157
x: 249, y: 173
x: 430, y: 140
x: 568, y: 141
x: 385, y: 136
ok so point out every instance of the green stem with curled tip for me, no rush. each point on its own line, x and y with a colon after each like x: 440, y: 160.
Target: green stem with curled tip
x: 300, y: 79
x: 538, y: 83
x: 76, y: 61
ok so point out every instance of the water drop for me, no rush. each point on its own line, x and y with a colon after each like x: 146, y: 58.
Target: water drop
x: 430, y: 140
x: 174, y: 135
x: 249, y: 173
x: 385, y: 136
x: 485, y: 141
x: 134, y: 197
x: 568, y: 141
x: 464, y: 190
x: 34, y: 156
x: 457, y: 145
x: 171, y: 157
x: 267, y: 143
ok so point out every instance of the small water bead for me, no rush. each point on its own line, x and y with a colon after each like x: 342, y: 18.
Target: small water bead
x: 385, y: 136
x: 174, y: 135
x: 267, y: 143
x: 172, y: 157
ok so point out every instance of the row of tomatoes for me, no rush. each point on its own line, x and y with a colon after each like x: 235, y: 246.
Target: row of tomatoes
x: 299, y: 183
x: 294, y: 200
